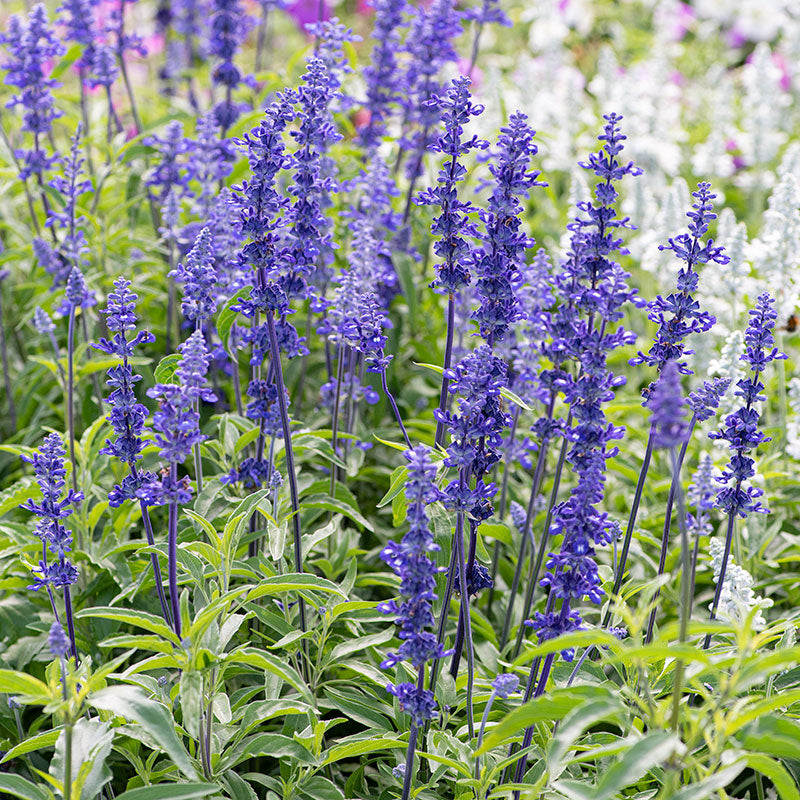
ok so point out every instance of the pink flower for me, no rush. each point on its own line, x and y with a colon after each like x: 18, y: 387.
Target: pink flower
x: 684, y: 18
x: 306, y: 11
x: 154, y: 43
x: 779, y: 61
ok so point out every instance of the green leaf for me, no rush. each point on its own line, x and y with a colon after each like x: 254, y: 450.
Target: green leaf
x: 227, y: 317
x: 91, y: 744
x: 397, y: 484
x: 24, y: 489
x: 776, y: 736
x: 17, y: 786
x: 574, y: 724
x: 350, y: 749
x: 27, y: 687
x: 776, y: 772
x: 165, y: 371
x: 547, y: 708
x: 645, y: 754
x: 130, y: 702
x: 170, y: 791
x: 272, y: 664
x: 191, y: 702
x: 139, y: 619
x: 274, y: 745
x: 32, y: 743
x: 712, y: 784
x: 336, y: 504
x: 294, y: 582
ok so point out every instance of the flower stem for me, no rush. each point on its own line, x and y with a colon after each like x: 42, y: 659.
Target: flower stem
x: 67, y: 794
x: 71, y: 399
x: 525, y: 533
x: 484, y: 720
x: 70, y: 623
x: 148, y: 530
x: 448, y: 355
x: 289, y: 454
x: 674, y: 490
x: 12, y: 410
x: 172, y: 551
x: 626, y: 543
x: 337, y: 399
x: 686, y: 589
x: 465, y: 617
x: 395, y: 409
x: 724, y: 566
x: 536, y: 566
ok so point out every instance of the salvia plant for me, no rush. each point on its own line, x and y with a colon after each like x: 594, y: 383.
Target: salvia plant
x: 399, y: 400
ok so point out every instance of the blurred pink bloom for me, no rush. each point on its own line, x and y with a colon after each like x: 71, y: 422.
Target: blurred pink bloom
x: 154, y: 43
x: 684, y: 18
x: 736, y: 38
x: 779, y: 61
x: 678, y: 78
x: 476, y: 76
x: 305, y: 11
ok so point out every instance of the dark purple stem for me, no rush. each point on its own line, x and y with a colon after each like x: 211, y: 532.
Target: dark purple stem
x: 395, y: 409
x: 662, y: 561
x: 448, y: 355
x: 12, y: 410
x: 626, y: 543
x: 289, y: 454
x: 172, y: 552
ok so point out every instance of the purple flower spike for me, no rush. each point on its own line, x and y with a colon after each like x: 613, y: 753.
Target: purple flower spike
x: 505, y: 685
x: 741, y: 428
x: 679, y: 314
x: 411, y: 562
x: 666, y: 403
x: 453, y: 226
x: 57, y: 641
x: 199, y: 277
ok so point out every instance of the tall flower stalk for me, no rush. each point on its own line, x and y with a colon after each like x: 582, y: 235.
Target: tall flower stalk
x: 677, y: 316
x: 199, y: 278
x: 411, y: 562
x: 738, y: 497
x: 595, y: 291
x: 48, y: 467
x: 77, y: 295
x: 177, y: 431
x: 453, y: 225
x: 127, y: 417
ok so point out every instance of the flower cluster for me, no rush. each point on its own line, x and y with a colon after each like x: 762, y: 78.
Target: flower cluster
x: 429, y: 44
x: 127, y: 416
x: 685, y: 314
x: 476, y: 427
x: 737, y: 599
x: 498, y: 261
x: 667, y: 406
x: 410, y: 560
x: 701, y: 495
x: 741, y: 428
x: 593, y: 283
x: 32, y: 46
x: 55, y: 506
x: 176, y: 422
x: 199, y: 278
x: 453, y: 226
x: 228, y: 27
x: 310, y: 243
x: 382, y: 76
x: 71, y: 185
